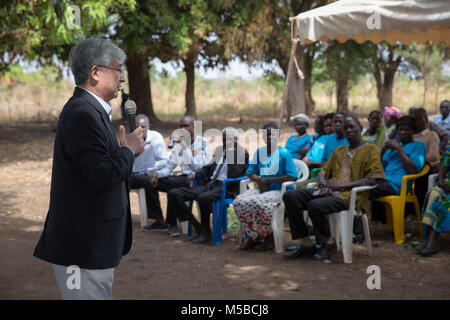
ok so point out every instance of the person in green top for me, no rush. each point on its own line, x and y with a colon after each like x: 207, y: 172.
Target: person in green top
x: 376, y: 133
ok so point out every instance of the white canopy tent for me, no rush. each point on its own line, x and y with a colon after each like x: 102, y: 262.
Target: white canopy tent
x: 370, y: 20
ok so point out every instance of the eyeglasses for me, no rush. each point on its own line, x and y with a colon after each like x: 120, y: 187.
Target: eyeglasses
x: 121, y: 70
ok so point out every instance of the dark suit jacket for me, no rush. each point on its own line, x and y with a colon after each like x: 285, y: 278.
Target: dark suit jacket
x: 237, y: 167
x: 88, y: 223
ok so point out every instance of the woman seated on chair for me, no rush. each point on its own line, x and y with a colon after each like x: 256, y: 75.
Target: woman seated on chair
x: 270, y: 167
x: 355, y: 165
x: 315, y: 154
x: 436, y: 217
x: 399, y: 157
x: 298, y: 144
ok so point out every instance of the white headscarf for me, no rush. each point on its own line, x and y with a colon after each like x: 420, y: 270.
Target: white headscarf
x: 302, y: 117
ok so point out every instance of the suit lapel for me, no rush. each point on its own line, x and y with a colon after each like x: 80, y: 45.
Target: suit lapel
x: 97, y: 106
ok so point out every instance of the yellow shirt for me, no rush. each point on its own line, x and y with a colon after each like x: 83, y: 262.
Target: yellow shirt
x: 344, y: 166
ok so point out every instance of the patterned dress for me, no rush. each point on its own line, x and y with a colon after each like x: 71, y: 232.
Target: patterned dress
x: 437, y: 203
x: 253, y: 208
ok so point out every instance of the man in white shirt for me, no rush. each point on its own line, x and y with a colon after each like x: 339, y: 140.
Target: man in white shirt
x: 191, y: 155
x: 153, y: 158
x: 443, y: 119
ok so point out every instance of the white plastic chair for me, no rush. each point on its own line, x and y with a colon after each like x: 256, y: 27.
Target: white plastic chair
x: 142, y: 205
x: 341, y: 225
x: 278, y: 212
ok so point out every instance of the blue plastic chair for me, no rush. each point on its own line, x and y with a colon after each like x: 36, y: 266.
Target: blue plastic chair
x: 219, y: 208
x: 219, y: 212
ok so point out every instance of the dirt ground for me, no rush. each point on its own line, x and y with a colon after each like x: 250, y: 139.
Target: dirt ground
x: 160, y: 267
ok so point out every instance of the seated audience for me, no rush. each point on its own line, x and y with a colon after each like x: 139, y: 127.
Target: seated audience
x: 191, y: 153
x: 431, y: 141
x: 391, y: 116
x: 154, y: 157
x: 376, y: 133
x: 443, y: 119
x: 318, y: 128
x: 271, y: 166
x: 399, y: 158
x: 298, y: 144
x: 209, y: 190
x: 314, y: 156
x: 335, y: 139
x: 436, y: 217
x: 428, y: 137
x: 350, y: 166
x: 441, y: 132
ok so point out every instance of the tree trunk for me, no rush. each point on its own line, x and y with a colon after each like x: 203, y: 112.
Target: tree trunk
x: 189, y: 68
x: 385, y: 83
x: 139, y: 83
x: 342, y: 94
x: 385, y: 97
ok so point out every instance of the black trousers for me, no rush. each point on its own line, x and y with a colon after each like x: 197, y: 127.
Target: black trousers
x: 378, y: 211
x: 296, y: 201
x: 151, y: 194
x: 177, y: 208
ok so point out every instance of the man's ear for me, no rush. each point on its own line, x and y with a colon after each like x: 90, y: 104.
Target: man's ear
x: 94, y: 73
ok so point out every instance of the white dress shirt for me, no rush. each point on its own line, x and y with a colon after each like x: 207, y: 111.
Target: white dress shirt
x: 154, y: 156
x: 444, y: 123
x: 191, y: 159
x: 104, y: 104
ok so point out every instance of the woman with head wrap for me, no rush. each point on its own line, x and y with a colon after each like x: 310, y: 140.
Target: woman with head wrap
x: 391, y: 116
x: 399, y: 158
x: 298, y: 144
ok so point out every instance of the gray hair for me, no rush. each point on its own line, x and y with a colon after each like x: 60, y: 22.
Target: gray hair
x: 93, y: 52
x: 142, y: 116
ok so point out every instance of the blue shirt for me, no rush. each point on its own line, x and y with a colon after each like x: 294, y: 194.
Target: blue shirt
x: 317, y: 149
x: 332, y: 143
x: 294, y: 146
x: 277, y: 164
x: 393, y: 167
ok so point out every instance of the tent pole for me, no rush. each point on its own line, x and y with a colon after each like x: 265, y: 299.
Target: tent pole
x: 288, y: 81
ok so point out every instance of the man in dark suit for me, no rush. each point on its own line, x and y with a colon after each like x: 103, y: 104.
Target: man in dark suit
x: 230, y: 161
x: 88, y: 225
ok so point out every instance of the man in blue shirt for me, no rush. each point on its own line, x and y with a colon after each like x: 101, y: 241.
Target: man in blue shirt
x: 399, y: 158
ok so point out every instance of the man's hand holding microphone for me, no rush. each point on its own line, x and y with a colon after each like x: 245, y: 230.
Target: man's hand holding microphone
x: 135, y: 140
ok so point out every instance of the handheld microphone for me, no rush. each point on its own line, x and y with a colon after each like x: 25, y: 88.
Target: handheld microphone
x: 130, y: 110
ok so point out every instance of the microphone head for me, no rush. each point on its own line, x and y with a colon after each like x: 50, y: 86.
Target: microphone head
x: 130, y: 107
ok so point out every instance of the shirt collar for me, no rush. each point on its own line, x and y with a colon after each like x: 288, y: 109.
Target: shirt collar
x: 102, y: 102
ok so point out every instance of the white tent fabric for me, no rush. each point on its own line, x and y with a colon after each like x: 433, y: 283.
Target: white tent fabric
x: 375, y: 21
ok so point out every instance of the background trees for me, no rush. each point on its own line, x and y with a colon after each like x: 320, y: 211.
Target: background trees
x: 205, y: 34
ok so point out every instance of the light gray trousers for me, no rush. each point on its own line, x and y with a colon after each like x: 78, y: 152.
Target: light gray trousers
x: 84, y: 284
